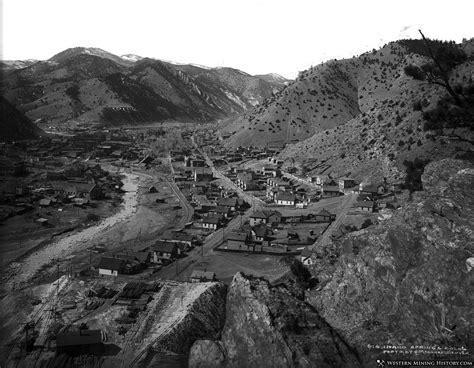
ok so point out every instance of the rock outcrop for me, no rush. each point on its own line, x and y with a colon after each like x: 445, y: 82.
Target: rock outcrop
x: 407, y: 280
x: 271, y: 327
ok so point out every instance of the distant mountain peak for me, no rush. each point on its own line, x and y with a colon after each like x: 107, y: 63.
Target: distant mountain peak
x: 132, y: 57
x: 94, y: 51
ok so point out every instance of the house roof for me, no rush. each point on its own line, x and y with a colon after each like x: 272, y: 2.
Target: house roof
x: 371, y: 188
x: 207, y: 275
x: 262, y: 230
x: 365, y: 204
x: 286, y: 197
x: 324, y: 212
x: 264, y: 214
x: 82, y: 337
x: 109, y: 263
x: 211, y: 220
x: 221, y: 209
x: 306, y: 253
x: 229, y: 202
x: 164, y: 247
x: 202, y: 170
x: 237, y: 236
x: 331, y: 188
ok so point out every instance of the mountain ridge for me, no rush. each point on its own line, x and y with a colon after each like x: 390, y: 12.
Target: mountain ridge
x: 75, y: 88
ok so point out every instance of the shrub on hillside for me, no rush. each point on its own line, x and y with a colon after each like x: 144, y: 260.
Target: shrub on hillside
x: 414, y: 170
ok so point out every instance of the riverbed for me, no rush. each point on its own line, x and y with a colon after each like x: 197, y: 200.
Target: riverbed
x: 64, y: 247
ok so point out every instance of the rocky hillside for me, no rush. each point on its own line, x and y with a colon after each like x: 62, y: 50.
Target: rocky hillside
x: 92, y: 86
x: 406, y: 280
x: 14, y: 125
x: 271, y: 326
x: 359, y: 115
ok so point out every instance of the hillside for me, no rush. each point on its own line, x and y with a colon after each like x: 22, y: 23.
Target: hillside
x: 406, y: 280
x: 358, y: 115
x: 89, y: 86
x: 14, y: 125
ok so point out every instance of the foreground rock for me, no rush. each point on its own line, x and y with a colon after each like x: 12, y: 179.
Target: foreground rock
x: 271, y: 327
x: 407, y: 280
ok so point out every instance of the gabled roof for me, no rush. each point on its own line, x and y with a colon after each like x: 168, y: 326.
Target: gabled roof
x: 109, y: 263
x: 324, y: 212
x: 331, y: 188
x: 371, y: 188
x: 365, y: 204
x: 221, y: 209
x: 237, y: 236
x: 262, y: 230
x: 206, y: 275
x: 263, y: 214
x: 285, y: 197
x: 229, y: 202
x: 211, y: 220
x: 164, y: 247
x: 82, y: 337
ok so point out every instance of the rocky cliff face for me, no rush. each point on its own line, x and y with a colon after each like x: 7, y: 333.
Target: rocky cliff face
x: 271, y: 327
x: 408, y: 279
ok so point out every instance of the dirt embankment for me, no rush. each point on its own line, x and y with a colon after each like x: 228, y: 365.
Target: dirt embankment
x: 271, y: 327
x: 202, y: 318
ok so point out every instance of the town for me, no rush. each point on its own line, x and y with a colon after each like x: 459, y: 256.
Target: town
x: 192, y: 212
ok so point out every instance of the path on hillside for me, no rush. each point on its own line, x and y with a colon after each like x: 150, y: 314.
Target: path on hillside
x: 348, y: 201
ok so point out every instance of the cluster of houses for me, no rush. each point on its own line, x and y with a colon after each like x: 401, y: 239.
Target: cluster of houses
x: 267, y: 231
x: 163, y: 251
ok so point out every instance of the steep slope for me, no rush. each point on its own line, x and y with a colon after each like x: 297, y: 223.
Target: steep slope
x: 271, y: 327
x: 14, y: 125
x: 362, y: 115
x: 16, y: 64
x: 407, y: 280
x: 75, y: 51
x: 83, y: 86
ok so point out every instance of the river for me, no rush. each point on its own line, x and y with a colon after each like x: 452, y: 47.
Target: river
x: 79, y: 241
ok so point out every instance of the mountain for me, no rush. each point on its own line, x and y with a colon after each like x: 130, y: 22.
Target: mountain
x: 273, y: 78
x: 89, y: 86
x: 14, y: 125
x: 360, y: 116
x: 131, y: 57
x: 75, y: 51
x: 16, y: 64
x: 405, y: 280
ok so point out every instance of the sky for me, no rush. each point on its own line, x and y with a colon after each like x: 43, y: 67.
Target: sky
x: 256, y: 36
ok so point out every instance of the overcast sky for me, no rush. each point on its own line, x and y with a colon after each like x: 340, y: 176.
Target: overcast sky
x: 257, y: 36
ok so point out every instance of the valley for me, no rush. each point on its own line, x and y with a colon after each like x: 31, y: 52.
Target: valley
x: 164, y: 214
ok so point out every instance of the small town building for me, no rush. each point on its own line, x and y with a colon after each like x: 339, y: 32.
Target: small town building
x: 285, y: 199
x: 212, y: 222
x: 202, y: 174
x: 331, y: 191
x: 111, y: 266
x: 265, y: 217
x: 373, y: 190
x: 237, y: 239
x: 365, y: 206
x: 261, y: 233
x: 324, y: 216
x: 305, y: 257
x: 346, y: 183
x: 202, y: 276
x: 163, y: 252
